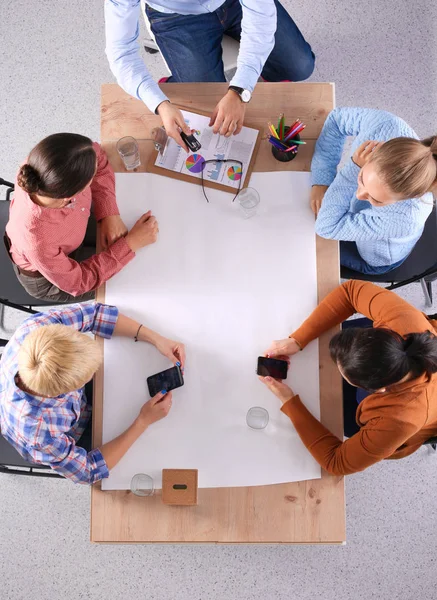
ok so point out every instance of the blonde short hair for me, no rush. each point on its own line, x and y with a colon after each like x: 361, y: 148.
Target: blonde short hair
x: 56, y: 359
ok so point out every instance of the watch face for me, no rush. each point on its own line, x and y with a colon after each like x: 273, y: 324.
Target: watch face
x: 246, y: 95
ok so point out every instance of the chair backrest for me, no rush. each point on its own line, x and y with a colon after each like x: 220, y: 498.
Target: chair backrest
x: 422, y: 258
x: 11, y: 289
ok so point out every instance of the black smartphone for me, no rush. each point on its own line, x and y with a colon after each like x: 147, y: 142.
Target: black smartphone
x: 192, y: 143
x: 165, y: 380
x: 272, y: 367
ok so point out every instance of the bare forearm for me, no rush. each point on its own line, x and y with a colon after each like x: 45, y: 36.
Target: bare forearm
x: 127, y: 327
x: 114, y: 450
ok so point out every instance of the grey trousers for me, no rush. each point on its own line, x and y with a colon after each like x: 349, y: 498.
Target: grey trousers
x: 43, y: 289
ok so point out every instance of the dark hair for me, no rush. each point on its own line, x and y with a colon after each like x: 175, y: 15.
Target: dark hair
x: 376, y: 358
x: 60, y: 166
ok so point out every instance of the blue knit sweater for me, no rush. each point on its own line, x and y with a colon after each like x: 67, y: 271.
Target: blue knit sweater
x: 384, y: 235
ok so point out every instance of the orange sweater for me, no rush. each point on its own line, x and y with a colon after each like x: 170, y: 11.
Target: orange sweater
x: 393, y: 424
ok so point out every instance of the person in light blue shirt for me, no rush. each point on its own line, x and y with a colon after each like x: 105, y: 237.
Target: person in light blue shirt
x: 189, y: 34
x: 378, y: 202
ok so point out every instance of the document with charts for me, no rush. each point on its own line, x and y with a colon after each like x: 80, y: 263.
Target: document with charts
x: 214, y: 146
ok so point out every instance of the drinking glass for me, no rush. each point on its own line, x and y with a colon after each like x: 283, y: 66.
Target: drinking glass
x: 248, y: 199
x: 142, y: 485
x: 257, y: 417
x: 127, y: 147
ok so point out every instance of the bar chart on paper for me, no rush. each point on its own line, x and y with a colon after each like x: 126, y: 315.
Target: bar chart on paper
x: 214, y: 147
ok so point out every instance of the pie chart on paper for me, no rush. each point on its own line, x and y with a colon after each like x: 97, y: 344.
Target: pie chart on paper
x: 234, y: 173
x: 195, y: 163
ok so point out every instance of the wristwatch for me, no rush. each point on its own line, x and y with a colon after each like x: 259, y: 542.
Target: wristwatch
x: 245, y: 95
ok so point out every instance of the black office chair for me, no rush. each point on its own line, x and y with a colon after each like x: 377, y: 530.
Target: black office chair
x: 431, y: 442
x: 421, y: 264
x: 11, y: 291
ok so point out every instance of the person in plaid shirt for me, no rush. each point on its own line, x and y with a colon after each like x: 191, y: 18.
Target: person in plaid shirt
x: 43, y: 407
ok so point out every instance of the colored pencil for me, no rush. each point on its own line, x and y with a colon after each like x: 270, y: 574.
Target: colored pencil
x: 278, y: 128
x: 277, y: 144
x: 273, y: 131
x: 298, y: 142
x: 284, y: 146
x: 294, y: 132
x: 294, y: 124
x: 291, y: 148
x: 281, y: 128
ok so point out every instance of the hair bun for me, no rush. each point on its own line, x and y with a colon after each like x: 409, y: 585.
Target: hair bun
x: 29, y: 179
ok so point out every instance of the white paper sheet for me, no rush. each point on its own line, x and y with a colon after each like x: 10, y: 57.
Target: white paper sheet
x: 226, y: 287
x: 214, y: 146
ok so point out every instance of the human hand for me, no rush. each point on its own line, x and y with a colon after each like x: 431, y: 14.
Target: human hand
x: 112, y: 229
x: 228, y: 115
x: 280, y: 389
x: 282, y: 348
x: 317, y: 194
x: 175, y: 351
x: 155, y: 409
x: 173, y: 122
x: 364, y: 152
x: 144, y: 232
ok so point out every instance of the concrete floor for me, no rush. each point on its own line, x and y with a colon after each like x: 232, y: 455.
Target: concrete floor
x: 379, y: 54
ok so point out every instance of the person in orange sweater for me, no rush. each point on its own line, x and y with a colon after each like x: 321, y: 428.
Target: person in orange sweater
x: 395, y: 362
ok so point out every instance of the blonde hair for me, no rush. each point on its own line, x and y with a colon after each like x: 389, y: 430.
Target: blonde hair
x: 56, y: 359
x: 407, y: 166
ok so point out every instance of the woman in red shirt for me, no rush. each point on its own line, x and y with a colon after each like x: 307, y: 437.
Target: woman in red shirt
x: 64, y: 176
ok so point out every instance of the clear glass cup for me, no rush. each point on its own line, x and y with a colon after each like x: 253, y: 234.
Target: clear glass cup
x: 142, y: 485
x: 257, y: 417
x: 248, y: 199
x: 127, y: 147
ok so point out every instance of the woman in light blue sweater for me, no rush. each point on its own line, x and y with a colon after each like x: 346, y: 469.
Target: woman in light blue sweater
x: 378, y: 202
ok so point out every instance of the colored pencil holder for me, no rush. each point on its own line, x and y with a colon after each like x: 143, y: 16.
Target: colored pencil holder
x: 282, y: 155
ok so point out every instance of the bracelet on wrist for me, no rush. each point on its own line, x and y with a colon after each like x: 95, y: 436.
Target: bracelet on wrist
x: 136, y: 335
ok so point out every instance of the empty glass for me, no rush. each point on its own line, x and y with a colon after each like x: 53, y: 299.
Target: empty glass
x: 257, y: 417
x: 248, y: 199
x: 142, y: 485
x: 127, y: 147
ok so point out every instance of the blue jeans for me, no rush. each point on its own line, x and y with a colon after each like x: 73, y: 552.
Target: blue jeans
x: 352, y: 259
x: 191, y: 44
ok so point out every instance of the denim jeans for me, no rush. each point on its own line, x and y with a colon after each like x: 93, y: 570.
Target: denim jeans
x: 352, y: 259
x: 191, y: 44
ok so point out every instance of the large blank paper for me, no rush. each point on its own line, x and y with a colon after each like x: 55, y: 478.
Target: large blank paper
x: 226, y: 286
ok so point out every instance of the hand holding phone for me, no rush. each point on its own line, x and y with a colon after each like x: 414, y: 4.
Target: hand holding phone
x: 272, y: 367
x: 155, y: 409
x: 167, y: 380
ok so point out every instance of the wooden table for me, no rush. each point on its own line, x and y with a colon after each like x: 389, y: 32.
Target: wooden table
x: 303, y: 512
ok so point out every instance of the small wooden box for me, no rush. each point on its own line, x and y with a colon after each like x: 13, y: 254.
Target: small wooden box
x: 179, y: 487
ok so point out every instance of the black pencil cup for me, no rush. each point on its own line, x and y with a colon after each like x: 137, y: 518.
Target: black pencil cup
x: 281, y: 154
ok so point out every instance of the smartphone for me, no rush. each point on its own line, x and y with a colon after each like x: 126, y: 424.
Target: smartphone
x: 192, y: 143
x: 165, y: 380
x: 272, y: 367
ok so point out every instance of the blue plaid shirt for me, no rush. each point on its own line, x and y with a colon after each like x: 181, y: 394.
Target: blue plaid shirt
x: 45, y: 430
